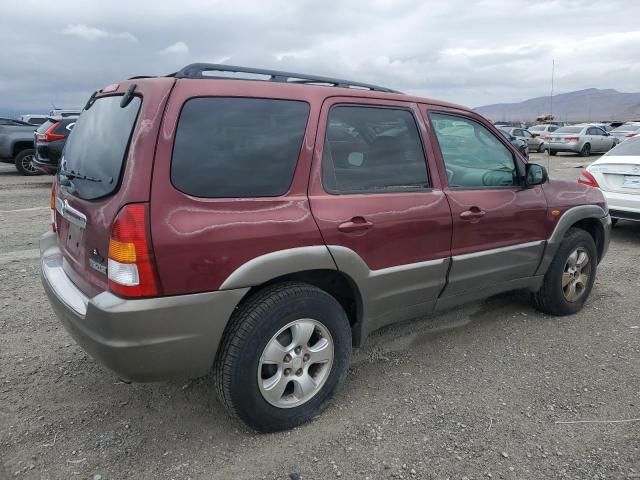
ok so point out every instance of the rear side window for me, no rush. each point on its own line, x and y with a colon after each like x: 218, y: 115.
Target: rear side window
x: 95, y: 150
x: 372, y: 150
x: 237, y: 147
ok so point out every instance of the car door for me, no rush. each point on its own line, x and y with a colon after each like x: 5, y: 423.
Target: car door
x: 604, y: 141
x: 530, y: 139
x: 380, y: 207
x: 499, y: 227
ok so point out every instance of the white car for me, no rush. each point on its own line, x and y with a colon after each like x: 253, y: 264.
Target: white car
x: 617, y: 174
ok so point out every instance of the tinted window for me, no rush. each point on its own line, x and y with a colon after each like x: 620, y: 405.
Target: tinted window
x: 473, y: 156
x: 371, y: 149
x: 237, y: 147
x: 37, y: 120
x: 552, y: 128
x: 97, y: 146
x: 627, y: 127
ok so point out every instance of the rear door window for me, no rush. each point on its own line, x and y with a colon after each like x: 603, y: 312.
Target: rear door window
x: 372, y: 150
x: 237, y: 147
x: 96, y: 147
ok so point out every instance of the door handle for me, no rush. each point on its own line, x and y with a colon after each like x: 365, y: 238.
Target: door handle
x: 474, y: 213
x: 356, y: 224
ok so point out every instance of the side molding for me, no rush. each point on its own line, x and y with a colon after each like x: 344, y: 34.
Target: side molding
x: 569, y: 218
x: 275, y: 264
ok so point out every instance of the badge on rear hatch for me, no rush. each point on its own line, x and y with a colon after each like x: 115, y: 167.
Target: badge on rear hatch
x: 96, y: 261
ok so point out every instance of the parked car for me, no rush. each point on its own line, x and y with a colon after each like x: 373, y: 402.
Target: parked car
x: 617, y: 174
x: 535, y: 143
x: 580, y: 139
x: 309, y: 215
x: 64, y: 112
x: 541, y: 130
x: 12, y: 121
x: 16, y: 146
x: 49, y: 141
x: 520, y: 144
x: 33, y: 119
x: 625, y: 131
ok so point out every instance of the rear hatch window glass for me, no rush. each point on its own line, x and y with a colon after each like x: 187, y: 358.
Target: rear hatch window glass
x: 45, y: 126
x: 569, y: 130
x: 96, y: 148
x: 237, y: 147
x: 628, y: 148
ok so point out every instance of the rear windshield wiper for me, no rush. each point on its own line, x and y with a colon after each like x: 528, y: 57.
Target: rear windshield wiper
x: 71, y: 175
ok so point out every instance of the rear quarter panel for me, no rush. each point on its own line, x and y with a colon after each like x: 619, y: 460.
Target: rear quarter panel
x: 199, y: 242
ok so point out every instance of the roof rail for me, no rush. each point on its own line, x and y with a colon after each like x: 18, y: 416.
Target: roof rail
x: 196, y: 70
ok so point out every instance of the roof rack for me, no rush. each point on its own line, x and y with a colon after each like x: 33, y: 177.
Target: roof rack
x: 196, y: 70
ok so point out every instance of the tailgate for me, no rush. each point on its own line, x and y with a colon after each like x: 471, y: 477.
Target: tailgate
x: 619, y: 178
x: 106, y: 164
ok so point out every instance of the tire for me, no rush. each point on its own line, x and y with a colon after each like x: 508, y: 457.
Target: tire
x: 586, y: 150
x: 541, y: 148
x: 240, y: 374
x: 614, y: 222
x: 552, y: 297
x: 553, y: 153
x: 23, y: 163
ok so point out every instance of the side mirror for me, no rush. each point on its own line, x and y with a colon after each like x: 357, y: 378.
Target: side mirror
x: 535, y: 174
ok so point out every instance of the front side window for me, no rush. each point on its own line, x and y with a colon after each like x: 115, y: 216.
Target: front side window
x: 473, y: 156
x: 372, y: 150
x: 237, y: 147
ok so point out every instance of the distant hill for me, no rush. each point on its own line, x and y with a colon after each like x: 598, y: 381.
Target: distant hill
x: 591, y: 104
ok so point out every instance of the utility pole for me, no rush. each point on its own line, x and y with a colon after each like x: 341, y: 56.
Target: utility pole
x: 553, y: 67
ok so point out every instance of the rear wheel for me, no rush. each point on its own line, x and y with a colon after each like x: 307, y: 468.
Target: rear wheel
x: 614, y: 222
x: 586, y: 150
x: 24, y: 163
x: 569, y: 279
x: 553, y: 153
x: 284, y: 354
x: 541, y: 148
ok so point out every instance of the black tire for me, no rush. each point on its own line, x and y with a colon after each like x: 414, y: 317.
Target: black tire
x: 553, y: 153
x: 550, y: 298
x: 614, y: 222
x: 586, y: 150
x: 541, y: 148
x: 23, y: 163
x: 251, y: 328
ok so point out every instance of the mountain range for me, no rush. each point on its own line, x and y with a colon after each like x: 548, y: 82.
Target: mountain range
x: 592, y: 104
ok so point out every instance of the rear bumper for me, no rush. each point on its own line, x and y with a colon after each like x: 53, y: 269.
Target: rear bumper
x: 623, y: 205
x: 565, y: 147
x: 47, y: 167
x: 141, y: 340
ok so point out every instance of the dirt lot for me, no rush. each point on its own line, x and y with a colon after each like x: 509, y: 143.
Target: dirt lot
x: 475, y: 393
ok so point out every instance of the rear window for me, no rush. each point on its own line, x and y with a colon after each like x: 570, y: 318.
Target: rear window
x: 237, y: 147
x: 97, y: 146
x: 627, y: 127
x: 628, y: 148
x: 569, y: 130
x: 45, y: 126
x: 37, y: 120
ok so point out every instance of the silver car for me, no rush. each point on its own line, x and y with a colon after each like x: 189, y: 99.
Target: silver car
x: 542, y: 129
x: 626, y: 130
x: 580, y: 139
x: 535, y: 143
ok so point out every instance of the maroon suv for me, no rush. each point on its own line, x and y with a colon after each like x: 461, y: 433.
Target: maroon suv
x: 263, y: 227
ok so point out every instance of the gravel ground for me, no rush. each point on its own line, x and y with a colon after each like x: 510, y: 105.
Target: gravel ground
x: 475, y: 393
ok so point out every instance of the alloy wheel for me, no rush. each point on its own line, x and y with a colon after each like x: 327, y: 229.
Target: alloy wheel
x: 27, y: 164
x: 577, y: 271
x: 295, y: 363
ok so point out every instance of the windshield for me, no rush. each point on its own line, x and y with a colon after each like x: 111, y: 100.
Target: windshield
x: 627, y: 127
x: 628, y: 148
x: 95, y: 151
x: 536, y: 128
x: 569, y: 130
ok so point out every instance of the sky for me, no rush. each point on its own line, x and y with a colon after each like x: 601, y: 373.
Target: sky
x: 468, y: 52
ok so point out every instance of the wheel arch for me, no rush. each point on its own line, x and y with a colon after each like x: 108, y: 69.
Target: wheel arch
x: 20, y: 146
x: 591, y: 218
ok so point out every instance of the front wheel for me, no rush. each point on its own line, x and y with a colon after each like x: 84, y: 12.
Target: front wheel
x: 569, y: 279
x: 553, y: 153
x: 541, y: 148
x: 285, y: 351
x: 24, y: 163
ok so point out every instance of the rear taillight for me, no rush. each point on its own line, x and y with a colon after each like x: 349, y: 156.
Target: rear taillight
x: 547, y: 138
x: 48, y: 135
x: 572, y: 139
x: 587, y: 179
x: 131, y: 266
x: 52, y: 204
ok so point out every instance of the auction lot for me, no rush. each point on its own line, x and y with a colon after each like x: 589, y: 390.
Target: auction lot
x: 475, y: 393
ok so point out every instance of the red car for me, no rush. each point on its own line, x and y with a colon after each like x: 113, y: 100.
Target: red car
x: 264, y: 227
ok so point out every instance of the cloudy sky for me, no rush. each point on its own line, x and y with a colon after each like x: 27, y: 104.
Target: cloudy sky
x: 465, y: 51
